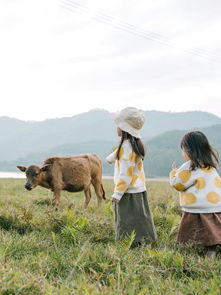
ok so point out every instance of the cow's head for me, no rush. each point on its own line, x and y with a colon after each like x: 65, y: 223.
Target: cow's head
x: 34, y: 175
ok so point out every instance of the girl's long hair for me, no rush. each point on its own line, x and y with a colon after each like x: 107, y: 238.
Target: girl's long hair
x: 136, y: 144
x: 202, y: 155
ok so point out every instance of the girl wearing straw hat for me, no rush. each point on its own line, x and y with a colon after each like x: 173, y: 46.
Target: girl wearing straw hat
x: 132, y: 211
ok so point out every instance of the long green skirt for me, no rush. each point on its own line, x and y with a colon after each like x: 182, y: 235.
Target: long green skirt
x: 132, y: 213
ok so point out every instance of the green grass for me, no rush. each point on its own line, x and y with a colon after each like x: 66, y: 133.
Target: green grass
x: 73, y: 251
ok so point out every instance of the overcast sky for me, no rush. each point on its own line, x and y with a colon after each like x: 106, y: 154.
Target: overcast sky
x: 58, y: 60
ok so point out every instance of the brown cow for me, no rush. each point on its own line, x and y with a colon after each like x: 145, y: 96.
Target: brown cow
x: 73, y: 174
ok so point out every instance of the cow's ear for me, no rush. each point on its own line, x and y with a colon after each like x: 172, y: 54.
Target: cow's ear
x: 45, y: 167
x: 22, y: 168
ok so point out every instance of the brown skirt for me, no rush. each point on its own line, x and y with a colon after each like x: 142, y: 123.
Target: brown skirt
x: 201, y: 228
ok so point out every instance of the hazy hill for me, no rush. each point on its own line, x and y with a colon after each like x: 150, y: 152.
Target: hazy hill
x: 162, y: 150
x: 160, y: 122
x: 20, y: 138
x: 165, y: 148
x: 33, y: 137
x: 102, y: 148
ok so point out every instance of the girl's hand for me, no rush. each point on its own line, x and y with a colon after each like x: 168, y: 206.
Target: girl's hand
x: 174, y: 167
x: 115, y: 200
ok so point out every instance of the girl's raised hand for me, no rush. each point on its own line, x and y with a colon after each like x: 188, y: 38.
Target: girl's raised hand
x: 174, y: 167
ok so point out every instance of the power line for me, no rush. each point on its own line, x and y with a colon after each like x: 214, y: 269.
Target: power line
x: 107, y: 19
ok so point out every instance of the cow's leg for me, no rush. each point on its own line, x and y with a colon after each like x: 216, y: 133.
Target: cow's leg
x: 87, y: 194
x: 56, y: 199
x: 97, y: 184
x: 57, y: 182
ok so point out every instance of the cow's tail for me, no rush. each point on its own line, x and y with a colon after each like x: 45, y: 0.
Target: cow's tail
x: 103, y: 192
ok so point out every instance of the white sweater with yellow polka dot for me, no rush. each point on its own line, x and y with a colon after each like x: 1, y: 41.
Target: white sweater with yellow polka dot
x: 200, y: 189
x: 129, y: 174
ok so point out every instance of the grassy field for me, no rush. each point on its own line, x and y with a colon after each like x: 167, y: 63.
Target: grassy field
x: 72, y: 251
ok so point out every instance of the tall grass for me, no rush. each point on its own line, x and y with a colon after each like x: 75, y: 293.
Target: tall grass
x: 73, y: 251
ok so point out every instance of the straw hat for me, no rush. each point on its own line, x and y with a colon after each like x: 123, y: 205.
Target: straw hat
x: 130, y: 120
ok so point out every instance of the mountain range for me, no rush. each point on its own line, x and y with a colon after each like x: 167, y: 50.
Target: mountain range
x: 31, y: 142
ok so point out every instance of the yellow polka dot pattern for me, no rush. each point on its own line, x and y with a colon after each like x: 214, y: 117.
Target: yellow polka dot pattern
x: 184, y: 175
x: 172, y: 173
x: 200, y: 183
x: 200, y: 189
x: 179, y: 187
x: 207, y: 170
x: 135, y: 177
x: 188, y: 199
x: 132, y: 157
x: 132, y: 175
x: 121, y: 186
x: 213, y: 197
x: 142, y: 177
x: 217, y: 181
x: 130, y: 171
x: 139, y: 165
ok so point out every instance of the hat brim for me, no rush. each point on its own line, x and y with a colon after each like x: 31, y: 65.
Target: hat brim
x: 126, y: 127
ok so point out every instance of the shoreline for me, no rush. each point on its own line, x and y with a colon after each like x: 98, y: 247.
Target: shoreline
x: 20, y: 175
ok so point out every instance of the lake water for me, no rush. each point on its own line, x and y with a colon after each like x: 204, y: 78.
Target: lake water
x: 22, y: 175
x: 12, y: 175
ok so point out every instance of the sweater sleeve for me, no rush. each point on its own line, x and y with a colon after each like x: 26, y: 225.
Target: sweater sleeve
x: 182, y: 178
x: 111, y: 158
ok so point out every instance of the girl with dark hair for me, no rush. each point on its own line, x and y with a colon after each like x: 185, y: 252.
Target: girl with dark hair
x: 132, y: 211
x: 200, y: 186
